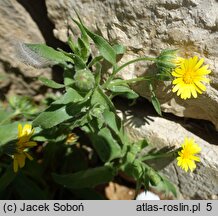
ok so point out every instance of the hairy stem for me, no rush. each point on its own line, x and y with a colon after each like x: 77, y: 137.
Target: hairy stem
x: 131, y: 80
x: 116, y: 70
x: 162, y: 155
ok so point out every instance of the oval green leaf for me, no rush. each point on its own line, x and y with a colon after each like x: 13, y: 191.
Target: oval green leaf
x: 85, y: 179
x: 50, y: 83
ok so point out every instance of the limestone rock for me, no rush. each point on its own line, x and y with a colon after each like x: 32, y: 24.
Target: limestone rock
x: 115, y: 191
x: 147, y: 27
x: 17, y: 25
x: 141, y: 122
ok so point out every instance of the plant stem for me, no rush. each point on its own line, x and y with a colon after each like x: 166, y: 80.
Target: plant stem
x: 111, y: 105
x: 130, y: 80
x: 133, y: 61
x: 116, y: 70
x: 163, y: 155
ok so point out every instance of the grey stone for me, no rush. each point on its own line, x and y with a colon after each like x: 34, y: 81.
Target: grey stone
x: 147, y: 27
x: 17, y: 25
x: 141, y: 122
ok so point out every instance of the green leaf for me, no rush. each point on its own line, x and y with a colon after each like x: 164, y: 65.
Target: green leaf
x: 68, y: 77
x: 103, y: 46
x: 57, y: 114
x: 49, y: 53
x: 36, y: 53
x: 99, y: 97
x: 138, y: 146
x: 72, y: 45
x: 165, y: 186
x: 22, y: 104
x: 98, y: 73
x: 115, y: 125
x: 133, y: 167
x: 141, y: 144
x: 105, y: 145
x: 68, y: 106
x: 84, y: 35
x: 87, y: 178
x: 7, y: 178
x: 79, y: 63
x: 55, y: 134
x: 52, y: 116
x: 119, y: 49
x: 84, y: 52
x: 156, y: 105
x: 82, y: 120
x: 112, y: 121
x: 123, y: 91
x: 8, y: 132
x: 50, y: 83
x: 154, y: 177
x: 97, y: 112
x: 170, y: 187
x: 5, y: 116
x: 95, y: 60
x: 155, y: 102
x: 70, y: 96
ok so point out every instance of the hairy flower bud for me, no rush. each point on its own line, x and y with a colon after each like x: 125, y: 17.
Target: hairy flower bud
x: 84, y: 80
x: 167, y: 58
x: 166, y: 62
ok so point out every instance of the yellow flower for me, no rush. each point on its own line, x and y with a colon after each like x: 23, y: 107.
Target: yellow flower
x: 186, y: 159
x: 22, y: 145
x: 25, y: 133
x: 166, y: 62
x: 72, y: 138
x: 189, y: 77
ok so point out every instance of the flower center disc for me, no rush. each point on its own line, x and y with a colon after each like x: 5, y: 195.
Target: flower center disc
x: 186, y: 154
x: 187, y: 77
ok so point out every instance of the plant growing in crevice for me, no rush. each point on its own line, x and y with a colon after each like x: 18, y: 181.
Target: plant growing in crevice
x: 87, y: 105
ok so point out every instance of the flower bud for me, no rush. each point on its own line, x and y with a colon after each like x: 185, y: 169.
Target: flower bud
x: 166, y: 62
x: 84, y: 80
x: 167, y: 58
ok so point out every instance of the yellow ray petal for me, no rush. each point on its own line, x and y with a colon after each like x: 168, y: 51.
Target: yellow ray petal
x: 20, y: 130
x: 197, y: 65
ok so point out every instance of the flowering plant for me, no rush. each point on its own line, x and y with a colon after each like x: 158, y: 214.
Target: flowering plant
x: 87, y: 109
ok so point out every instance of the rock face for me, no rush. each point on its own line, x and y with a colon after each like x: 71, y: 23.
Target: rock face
x: 147, y: 27
x: 16, y: 24
x: 164, y: 132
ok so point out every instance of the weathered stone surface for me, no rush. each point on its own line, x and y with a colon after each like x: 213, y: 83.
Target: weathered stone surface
x: 17, y: 25
x: 162, y: 132
x: 115, y: 191
x: 147, y: 27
